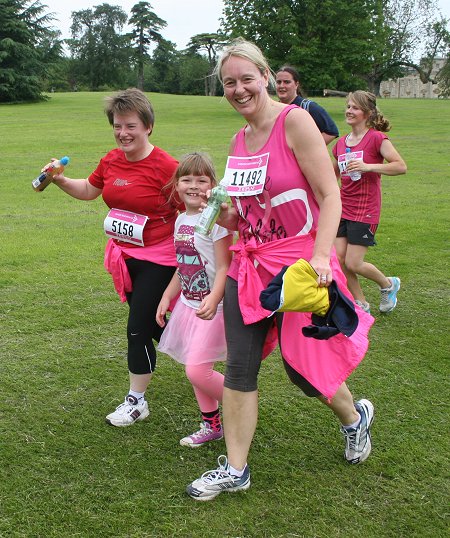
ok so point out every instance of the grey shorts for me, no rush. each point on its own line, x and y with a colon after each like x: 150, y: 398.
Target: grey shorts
x: 245, y: 347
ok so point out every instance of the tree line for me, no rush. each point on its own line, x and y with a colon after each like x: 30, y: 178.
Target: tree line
x: 334, y: 44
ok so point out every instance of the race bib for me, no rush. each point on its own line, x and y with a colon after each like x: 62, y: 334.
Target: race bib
x: 125, y: 226
x: 246, y: 176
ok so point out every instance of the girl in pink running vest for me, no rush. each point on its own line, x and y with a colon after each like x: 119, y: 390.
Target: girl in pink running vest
x: 361, y: 157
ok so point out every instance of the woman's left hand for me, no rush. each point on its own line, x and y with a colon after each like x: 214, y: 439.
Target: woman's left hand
x: 321, y: 266
x: 358, y: 165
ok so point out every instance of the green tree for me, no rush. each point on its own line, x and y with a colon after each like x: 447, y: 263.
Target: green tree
x: 326, y: 41
x: 194, y: 69
x: 146, y: 26
x: 210, y: 43
x: 443, y: 79
x: 166, y: 67
x: 50, y: 51
x: 437, y: 47
x: 23, y: 30
x: 403, y: 29
x: 335, y: 43
x: 100, y: 51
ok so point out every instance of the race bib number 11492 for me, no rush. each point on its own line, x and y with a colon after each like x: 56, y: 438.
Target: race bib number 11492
x: 246, y: 176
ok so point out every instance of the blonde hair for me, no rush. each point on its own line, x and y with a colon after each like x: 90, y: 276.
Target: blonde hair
x: 130, y: 100
x: 367, y: 102
x: 249, y: 51
x: 191, y: 164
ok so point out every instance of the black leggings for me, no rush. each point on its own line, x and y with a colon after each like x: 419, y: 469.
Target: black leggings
x: 149, y: 282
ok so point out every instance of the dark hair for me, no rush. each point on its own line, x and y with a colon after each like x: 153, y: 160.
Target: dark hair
x: 367, y: 102
x: 191, y: 164
x: 130, y: 100
x: 295, y: 75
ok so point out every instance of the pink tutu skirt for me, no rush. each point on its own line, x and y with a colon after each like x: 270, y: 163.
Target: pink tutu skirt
x: 191, y: 340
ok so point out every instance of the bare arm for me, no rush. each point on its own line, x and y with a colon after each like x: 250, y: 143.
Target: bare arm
x: 313, y: 158
x: 222, y: 254
x: 336, y: 168
x: 172, y: 290
x: 328, y: 138
x: 77, y: 188
x: 394, y: 165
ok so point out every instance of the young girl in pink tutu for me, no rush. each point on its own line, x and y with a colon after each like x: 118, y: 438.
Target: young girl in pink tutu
x: 195, y: 334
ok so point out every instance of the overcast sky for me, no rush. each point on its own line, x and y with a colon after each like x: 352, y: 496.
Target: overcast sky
x: 185, y: 18
x: 445, y: 7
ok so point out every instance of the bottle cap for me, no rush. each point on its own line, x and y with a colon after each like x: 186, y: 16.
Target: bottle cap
x: 64, y: 160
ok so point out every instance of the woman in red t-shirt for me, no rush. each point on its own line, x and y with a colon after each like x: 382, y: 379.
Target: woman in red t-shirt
x: 140, y: 253
x: 361, y: 157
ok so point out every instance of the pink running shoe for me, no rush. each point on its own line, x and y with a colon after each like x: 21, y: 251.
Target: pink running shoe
x: 202, y: 436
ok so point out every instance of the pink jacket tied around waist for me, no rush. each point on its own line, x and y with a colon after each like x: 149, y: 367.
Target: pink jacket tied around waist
x: 326, y: 364
x: 116, y: 266
x: 271, y: 256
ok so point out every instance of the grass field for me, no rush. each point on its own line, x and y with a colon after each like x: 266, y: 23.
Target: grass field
x: 64, y: 473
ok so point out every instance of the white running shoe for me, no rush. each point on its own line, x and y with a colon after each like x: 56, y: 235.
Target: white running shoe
x: 128, y: 412
x: 358, y: 444
x: 219, y: 480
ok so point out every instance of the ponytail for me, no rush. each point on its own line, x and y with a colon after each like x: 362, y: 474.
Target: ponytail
x: 367, y: 102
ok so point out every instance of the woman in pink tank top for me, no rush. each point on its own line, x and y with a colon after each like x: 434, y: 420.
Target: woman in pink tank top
x: 286, y: 206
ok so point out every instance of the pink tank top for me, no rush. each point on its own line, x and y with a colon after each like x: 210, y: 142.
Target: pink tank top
x: 287, y: 206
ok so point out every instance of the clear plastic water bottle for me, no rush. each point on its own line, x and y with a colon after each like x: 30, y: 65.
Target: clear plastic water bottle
x: 46, y: 177
x: 354, y: 176
x: 209, y: 215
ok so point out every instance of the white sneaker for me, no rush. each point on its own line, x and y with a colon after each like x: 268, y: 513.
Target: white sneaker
x: 219, y: 480
x: 128, y: 412
x: 358, y: 443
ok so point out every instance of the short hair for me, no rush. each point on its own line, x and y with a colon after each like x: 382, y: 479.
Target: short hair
x: 130, y: 100
x: 249, y: 51
x: 367, y: 102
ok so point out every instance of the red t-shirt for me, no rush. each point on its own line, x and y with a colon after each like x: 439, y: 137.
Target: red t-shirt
x: 361, y: 200
x: 137, y: 187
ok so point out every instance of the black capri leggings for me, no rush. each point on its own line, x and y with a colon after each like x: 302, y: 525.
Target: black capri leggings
x: 149, y: 282
x: 245, y: 346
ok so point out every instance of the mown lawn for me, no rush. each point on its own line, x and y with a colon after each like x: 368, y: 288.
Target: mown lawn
x: 65, y: 473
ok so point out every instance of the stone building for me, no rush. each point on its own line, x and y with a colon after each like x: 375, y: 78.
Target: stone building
x: 410, y: 86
